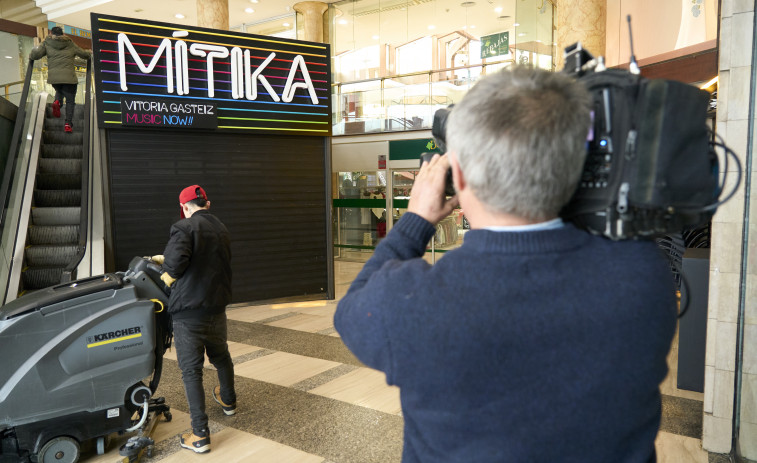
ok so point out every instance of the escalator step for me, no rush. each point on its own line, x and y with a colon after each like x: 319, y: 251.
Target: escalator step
x: 50, y: 255
x: 56, y: 216
x: 78, y: 111
x: 59, y: 166
x: 54, y: 234
x: 57, y: 198
x: 37, y: 278
x: 63, y: 138
x: 58, y: 181
x: 61, y: 151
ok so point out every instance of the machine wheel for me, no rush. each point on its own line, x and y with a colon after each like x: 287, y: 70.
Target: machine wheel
x: 59, y: 450
x: 102, y: 444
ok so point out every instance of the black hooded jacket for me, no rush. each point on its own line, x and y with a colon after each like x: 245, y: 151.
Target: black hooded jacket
x: 198, y: 255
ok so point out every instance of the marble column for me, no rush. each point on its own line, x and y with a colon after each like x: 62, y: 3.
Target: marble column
x: 213, y: 14
x: 582, y: 21
x: 312, y: 13
x: 733, y: 275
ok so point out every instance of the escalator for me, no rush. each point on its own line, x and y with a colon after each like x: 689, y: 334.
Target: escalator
x: 45, y: 194
x: 54, y: 223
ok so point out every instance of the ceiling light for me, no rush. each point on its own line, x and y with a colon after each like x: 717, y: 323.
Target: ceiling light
x: 9, y: 57
x: 431, y: 27
x: 179, y: 16
x: 375, y: 37
x: 521, y: 34
x: 253, y: 1
x: 286, y: 24
x: 342, y: 21
x: 473, y: 27
x: 498, y: 9
x: 516, y: 24
x: 249, y: 10
x: 465, y: 27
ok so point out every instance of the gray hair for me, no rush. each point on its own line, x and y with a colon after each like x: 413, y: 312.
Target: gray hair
x: 520, y: 138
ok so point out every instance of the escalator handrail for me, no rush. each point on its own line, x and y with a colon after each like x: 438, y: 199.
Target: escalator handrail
x: 10, y: 164
x: 83, y: 222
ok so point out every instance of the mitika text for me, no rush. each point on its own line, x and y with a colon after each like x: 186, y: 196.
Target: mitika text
x: 244, y: 81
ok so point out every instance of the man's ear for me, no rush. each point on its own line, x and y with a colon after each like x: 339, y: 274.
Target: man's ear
x: 207, y: 205
x: 458, y: 179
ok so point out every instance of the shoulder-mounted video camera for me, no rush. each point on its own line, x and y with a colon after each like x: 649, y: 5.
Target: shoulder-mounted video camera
x: 651, y: 166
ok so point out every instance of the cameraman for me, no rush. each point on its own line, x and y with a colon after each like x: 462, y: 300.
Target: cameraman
x: 534, y: 341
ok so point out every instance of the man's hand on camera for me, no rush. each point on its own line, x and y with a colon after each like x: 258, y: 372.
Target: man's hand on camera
x: 427, y: 196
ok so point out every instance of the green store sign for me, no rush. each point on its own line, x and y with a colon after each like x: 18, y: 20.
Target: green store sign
x: 411, y: 149
x: 495, y: 45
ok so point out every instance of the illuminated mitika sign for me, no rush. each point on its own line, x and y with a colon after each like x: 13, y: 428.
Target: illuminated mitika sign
x: 168, y: 76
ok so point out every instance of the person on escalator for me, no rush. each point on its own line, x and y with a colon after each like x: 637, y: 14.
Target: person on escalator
x: 61, y: 54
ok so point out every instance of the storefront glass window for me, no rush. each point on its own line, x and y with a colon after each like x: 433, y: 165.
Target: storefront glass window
x: 14, y: 56
x: 359, y: 214
x: 404, y: 45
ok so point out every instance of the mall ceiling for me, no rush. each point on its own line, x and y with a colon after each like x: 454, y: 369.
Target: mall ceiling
x: 76, y: 12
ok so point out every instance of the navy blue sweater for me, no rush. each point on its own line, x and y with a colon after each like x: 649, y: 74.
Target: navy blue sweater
x: 538, y: 346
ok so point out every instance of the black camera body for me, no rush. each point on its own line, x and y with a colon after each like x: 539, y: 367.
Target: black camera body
x: 651, y: 167
x: 439, y: 131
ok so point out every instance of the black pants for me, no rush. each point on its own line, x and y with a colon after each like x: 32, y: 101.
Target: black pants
x: 67, y: 92
x: 192, y: 339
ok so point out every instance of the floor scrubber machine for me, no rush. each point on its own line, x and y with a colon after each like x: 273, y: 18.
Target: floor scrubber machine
x: 80, y: 361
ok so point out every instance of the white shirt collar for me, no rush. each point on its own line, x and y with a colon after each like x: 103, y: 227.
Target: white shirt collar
x: 548, y: 225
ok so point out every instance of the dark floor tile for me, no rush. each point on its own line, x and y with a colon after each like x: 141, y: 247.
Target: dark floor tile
x: 335, y: 430
x: 682, y: 416
x: 291, y: 341
x: 718, y: 458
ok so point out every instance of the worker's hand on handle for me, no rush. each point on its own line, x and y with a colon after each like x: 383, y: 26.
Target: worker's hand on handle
x: 158, y: 259
x: 427, y: 197
x: 167, y: 279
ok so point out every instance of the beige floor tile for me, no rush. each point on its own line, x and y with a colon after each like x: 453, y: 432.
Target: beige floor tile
x: 299, y: 306
x: 283, y: 368
x: 673, y: 448
x: 235, y: 349
x: 323, y: 311
x: 303, y: 322
x: 231, y: 446
x: 256, y: 313
x: 365, y: 387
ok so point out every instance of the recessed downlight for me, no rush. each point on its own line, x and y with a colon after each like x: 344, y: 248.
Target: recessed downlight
x: 249, y: 10
x: 179, y: 16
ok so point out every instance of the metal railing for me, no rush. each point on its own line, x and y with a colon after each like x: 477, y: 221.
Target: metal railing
x: 13, y: 152
x: 382, y: 98
x: 84, y: 216
x: 9, y: 85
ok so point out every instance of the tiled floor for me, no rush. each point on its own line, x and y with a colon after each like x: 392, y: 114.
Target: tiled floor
x: 304, y: 398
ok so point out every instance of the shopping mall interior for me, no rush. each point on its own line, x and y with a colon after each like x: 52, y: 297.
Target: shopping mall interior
x: 310, y: 166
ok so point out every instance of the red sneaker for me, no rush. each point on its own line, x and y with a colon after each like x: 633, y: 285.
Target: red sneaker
x: 68, y: 128
x: 56, y: 108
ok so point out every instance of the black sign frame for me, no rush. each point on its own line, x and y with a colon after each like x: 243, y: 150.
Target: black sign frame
x: 258, y: 84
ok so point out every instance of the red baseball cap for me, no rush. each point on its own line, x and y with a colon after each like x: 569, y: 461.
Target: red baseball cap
x: 189, y: 193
